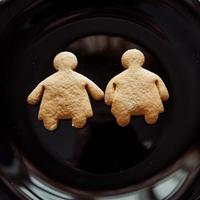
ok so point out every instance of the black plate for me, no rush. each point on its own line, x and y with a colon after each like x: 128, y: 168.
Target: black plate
x: 102, y: 155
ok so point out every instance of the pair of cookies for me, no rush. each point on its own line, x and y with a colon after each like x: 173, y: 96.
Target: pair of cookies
x: 64, y: 94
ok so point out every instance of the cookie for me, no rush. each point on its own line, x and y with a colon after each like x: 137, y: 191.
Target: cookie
x: 64, y: 95
x: 135, y: 91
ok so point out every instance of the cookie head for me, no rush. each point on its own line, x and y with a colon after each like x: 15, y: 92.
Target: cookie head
x: 132, y: 58
x: 65, y: 60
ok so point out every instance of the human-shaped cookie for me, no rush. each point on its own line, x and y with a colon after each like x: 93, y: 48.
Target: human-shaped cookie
x: 65, y: 94
x: 135, y: 91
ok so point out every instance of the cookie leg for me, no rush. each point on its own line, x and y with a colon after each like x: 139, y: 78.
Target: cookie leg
x: 151, y: 118
x: 123, y: 119
x: 50, y: 123
x: 79, y: 121
x: 121, y: 114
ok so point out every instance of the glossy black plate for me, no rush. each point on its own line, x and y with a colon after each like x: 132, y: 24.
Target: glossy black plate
x: 102, y: 155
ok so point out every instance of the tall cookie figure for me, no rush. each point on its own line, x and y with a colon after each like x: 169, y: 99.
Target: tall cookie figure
x: 65, y: 94
x: 135, y: 91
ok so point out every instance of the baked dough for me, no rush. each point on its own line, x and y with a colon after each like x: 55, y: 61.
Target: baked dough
x: 65, y: 94
x: 136, y: 91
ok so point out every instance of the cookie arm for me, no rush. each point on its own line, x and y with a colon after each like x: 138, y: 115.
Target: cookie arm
x: 110, y: 89
x: 164, y: 95
x: 35, y: 96
x: 94, y: 90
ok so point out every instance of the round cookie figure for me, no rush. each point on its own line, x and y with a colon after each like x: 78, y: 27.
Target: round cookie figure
x: 65, y: 94
x: 135, y: 91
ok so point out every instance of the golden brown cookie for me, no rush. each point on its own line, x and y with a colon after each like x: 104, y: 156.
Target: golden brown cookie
x: 136, y: 91
x: 65, y: 94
